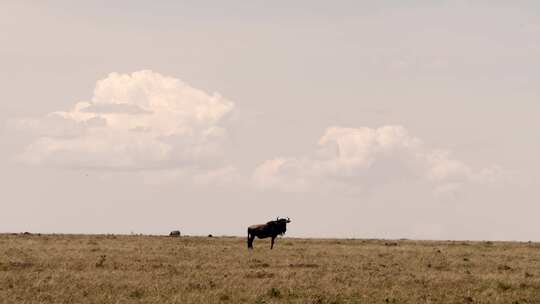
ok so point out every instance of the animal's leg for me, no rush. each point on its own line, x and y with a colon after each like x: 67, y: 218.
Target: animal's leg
x: 249, y: 241
x: 272, y: 244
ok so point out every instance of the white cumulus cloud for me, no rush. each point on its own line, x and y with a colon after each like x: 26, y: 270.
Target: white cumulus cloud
x: 142, y: 120
x: 363, y: 158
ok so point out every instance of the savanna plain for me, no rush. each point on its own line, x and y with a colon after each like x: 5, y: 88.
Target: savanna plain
x: 161, y: 269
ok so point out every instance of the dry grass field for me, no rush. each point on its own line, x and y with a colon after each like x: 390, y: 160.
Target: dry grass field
x: 155, y: 269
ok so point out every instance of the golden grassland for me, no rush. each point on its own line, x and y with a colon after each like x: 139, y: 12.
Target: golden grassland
x: 159, y: 269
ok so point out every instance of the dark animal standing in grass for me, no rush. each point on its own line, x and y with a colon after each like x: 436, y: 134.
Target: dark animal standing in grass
x: 271, y: 229
x: 175, y: 233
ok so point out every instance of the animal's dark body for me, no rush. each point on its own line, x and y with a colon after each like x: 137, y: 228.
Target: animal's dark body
x: 271, y: 229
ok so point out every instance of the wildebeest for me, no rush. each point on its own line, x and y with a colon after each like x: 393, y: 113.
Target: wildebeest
x: 271, y: 229
x: 175, y: 233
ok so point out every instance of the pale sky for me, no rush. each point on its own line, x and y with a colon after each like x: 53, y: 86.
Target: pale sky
x: 365, y: 119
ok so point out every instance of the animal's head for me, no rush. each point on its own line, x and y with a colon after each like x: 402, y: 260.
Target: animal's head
x: 281, y: 224
x: 283, y: 220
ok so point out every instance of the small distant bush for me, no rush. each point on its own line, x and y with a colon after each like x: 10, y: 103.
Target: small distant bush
x: 274, y: 293
x: 504, y: 286
x: 136, y: 294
